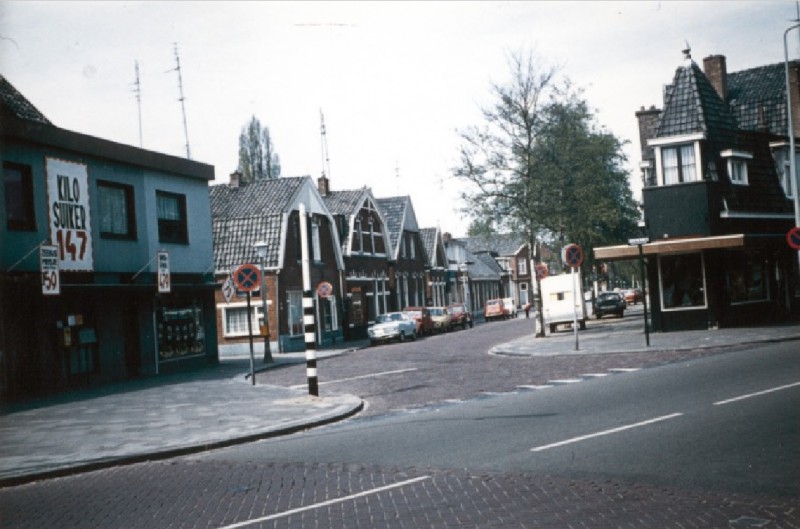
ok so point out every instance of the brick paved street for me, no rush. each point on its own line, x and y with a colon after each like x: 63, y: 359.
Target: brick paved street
x: 192, y: 494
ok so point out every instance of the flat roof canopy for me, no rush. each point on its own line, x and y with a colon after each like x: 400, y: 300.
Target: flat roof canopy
x: 695, y: 244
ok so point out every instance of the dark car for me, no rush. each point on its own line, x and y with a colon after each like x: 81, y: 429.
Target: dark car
x: 609, y: 303
x: 423, y: 318
x: 459, y: 315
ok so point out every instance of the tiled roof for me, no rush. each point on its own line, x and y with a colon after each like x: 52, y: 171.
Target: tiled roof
x: 261, y: 197
x: 758, y: 98
x: 692, y: 106
x: 500, y: 245
x: 484, y: 266
x: 428, y: 236
x: 14, y: 102
x: 344, y: 202
x: 393, y: 209
x: 234, y: 240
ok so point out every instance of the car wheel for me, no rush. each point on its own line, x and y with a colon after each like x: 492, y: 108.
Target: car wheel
x: 402, y: 337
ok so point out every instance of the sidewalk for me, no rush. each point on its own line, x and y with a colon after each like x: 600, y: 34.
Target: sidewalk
x: 165, y: 416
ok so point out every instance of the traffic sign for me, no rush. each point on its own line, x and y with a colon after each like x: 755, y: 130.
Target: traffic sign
x: 541, y: 271
x: 324, y: 290
x: 572, y: 255
x: 51, y: 278
x: 247, y: 278
x: 793, y: 238
x: 639, y: 241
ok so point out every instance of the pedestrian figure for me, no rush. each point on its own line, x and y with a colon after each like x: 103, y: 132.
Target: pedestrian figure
x: 527, y: 310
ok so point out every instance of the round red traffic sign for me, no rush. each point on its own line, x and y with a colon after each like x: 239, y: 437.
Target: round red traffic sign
x: 793, y: 238
x: 572, y: 254
x: 324, y: 290
x: 247, y: 278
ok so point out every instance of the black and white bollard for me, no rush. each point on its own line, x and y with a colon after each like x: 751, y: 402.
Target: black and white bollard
x: 311, y: 343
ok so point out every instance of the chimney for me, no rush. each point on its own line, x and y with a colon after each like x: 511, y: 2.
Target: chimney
x: 236, y: 179
x: 323, y: 186
x: 446, y: 237
x: 648, y: 121
x: 717, y: 72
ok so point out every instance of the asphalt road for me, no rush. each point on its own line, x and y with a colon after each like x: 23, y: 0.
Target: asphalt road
x: 673, y: 425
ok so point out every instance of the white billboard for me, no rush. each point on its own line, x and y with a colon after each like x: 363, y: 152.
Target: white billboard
x: 69, y: 214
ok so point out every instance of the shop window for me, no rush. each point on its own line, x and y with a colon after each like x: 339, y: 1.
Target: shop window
x: 747, y: 278
x: 682, y: 281
x: 180, y: 330
x: 116, y: 211
x: 18, y: 185
x: 171, y: 217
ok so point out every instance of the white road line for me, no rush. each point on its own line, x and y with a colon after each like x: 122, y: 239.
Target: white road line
x: 757, y: 394
x: 384, y: 373
x: 605, y: 432
x: 325, y: 503
x: 565, y: 381
x: 624, y: 369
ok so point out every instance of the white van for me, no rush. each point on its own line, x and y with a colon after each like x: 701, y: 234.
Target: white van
x: 559, y: 305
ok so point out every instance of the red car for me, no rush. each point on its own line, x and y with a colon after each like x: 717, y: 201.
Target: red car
x: 423, y: 318
x: 459, y: 315
x: 494, y: 310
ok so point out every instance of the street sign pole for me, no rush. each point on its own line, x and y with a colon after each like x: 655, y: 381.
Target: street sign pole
x: 250, y: 335
x: 640, y: 243
x: 575, y: 308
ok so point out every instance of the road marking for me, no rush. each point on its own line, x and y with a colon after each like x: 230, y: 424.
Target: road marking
x: 546, y: 386
x: 565, y: 381
x: 757, y: 394
x: 624, y: 369
x: 325, y: 503
x: 605, y: 432
x: 594, y: 375
x: 384, y: 373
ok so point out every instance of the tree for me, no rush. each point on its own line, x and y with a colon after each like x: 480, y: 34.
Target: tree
x: 539, y: 165
x: 257, y: 156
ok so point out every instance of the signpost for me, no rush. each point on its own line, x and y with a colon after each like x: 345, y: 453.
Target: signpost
x: 640, y: 242
x: 247, y: 278
x: 793, y: 238
x: 572, y: 255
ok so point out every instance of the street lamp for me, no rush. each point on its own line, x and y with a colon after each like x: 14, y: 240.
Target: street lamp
x: 464, y: 279
x: 261, y: 248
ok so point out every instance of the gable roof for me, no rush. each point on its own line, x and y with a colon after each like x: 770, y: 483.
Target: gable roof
x: 434, y: 247
x: 14, y: 103
x: 399, y: 215
x: 259, y: 211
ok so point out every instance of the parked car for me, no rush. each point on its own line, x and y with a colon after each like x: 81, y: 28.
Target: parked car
x: 423, y: 318
x: 442, y: 322
x: 493, y: 310
x: 392, y: 326
x: 510, y: 307
x: 633, y: 296
x: 609, y: 303
x: 459, y: 315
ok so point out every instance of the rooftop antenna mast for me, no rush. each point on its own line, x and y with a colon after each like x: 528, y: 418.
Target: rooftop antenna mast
x: 326, y: 167
x: 137, y: 89
x: 182, y: 99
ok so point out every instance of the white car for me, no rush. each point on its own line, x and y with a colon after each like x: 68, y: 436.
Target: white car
x: 391, y: 326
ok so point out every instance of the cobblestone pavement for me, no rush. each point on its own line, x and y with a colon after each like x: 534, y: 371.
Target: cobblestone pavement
x: 199, y: 494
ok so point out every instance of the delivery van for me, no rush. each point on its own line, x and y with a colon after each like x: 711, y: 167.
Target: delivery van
x: 558, y: 302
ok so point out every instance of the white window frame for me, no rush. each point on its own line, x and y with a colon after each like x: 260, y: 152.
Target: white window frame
x: 704, y: 306
x: 737, y: 165
x: 255, y: 316
x: 315, y: 244
x: 522, y: 266
x: 294, y: 298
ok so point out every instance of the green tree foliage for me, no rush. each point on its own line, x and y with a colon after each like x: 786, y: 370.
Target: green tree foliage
x: 257, y: 156
x: 539, y: 165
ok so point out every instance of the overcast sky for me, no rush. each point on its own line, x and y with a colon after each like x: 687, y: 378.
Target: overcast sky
x: 395, y: 81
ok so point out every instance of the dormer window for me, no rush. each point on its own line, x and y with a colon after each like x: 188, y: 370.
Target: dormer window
x: 737, y: 165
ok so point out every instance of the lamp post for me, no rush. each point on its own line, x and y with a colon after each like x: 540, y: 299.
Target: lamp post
x: 464, y: 282
x: 262, y: 247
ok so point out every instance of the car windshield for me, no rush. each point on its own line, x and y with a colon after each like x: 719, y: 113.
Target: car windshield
x: 608, y: 295
x: 455, y: 310
x: 414, y: 313
x: 436, y: 311
x: 386, y: 318
x: 492, y: 302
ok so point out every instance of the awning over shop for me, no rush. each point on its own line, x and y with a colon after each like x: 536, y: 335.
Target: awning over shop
x: 673, y: 246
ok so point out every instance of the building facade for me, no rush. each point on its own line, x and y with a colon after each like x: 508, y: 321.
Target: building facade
x: 106, y: 258
x: 717, y: 197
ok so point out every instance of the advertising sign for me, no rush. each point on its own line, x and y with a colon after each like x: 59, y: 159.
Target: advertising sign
x: 164, y: 285
x: 51, y: 280
x: 69, y: 214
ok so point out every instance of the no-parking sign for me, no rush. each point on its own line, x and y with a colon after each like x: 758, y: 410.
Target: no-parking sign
x: 572, y: 255
x: 247, y: 278
x: 793, y: 238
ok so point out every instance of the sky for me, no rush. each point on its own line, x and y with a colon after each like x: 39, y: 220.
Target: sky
x: 394, y: 82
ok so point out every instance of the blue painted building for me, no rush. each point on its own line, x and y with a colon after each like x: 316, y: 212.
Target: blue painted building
x: 129, y: 232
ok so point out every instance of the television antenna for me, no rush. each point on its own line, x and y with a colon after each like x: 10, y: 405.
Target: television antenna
x: 182, y: 99
x: 137, y: 89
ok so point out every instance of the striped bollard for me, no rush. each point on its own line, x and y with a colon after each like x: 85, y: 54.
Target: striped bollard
x: 311, y: 343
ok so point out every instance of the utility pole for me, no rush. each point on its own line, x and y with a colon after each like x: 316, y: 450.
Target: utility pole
x: 326, y: 167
